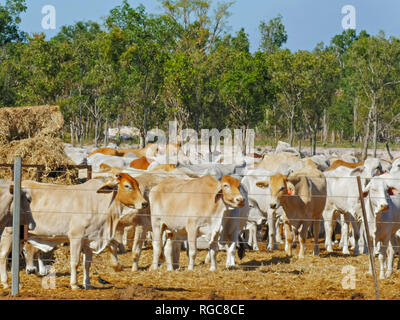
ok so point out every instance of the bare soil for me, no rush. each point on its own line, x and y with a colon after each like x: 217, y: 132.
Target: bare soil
x: 260, y: 275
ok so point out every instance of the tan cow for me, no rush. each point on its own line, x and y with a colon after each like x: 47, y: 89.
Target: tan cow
x: 138, y: 219
x: 106, y: 151
x: 84, y: 215
x: 284, y: 162
x: 303, y: 197
x: 195, y: 207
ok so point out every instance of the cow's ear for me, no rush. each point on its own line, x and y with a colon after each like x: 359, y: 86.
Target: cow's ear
x: 11, y: 189
x: 107, y: 187
x: 291, y: 190
x: 218, y: 195
x: 262, y: 184
x: 393, y: 191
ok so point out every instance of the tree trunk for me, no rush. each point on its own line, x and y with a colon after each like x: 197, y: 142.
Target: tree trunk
x: 375, y: 130
x: 355, y: 121
x: 72, y: 134
x: 291, y: 137
x: 325, y: 128
x: 96, y: 129
x: 106, y: 133
x: 366, y: 139
x: 314, y: 147
x: 143, y: 142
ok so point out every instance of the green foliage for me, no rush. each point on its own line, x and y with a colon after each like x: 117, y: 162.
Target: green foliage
x: 273, y: 34
x: 144, y: 70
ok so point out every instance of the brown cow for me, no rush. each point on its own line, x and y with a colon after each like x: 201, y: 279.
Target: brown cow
x: 302, y: 197
x: 141, y: 163
x: 341, y: 163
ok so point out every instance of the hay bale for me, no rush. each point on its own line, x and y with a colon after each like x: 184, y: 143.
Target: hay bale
x: 29, y: 122
x: 31, y: 133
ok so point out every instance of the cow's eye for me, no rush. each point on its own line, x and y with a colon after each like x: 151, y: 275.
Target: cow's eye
x: 282, y: 189
x: 128, y: 186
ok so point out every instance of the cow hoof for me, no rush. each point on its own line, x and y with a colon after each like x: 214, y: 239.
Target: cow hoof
x: 135, y: 267
x: 388, y: 274
x: 213, y: 268
x: 88, y: 287
x: 382, y: 276
x: 74, y: 287
x: 117, y: 268
x: 46, y: 270
x: 31, y: 270
x: 5, y: 285
x: 258, y: 249
x: 346, y: 251
x: 356, y: 253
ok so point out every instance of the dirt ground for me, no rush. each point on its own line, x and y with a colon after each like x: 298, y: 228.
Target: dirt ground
x: 260, y: 275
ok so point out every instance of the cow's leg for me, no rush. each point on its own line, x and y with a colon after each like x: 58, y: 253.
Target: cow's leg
x: 212, y: 254
x: 302, y: 237
x: 279, y: 235
x: 252, y: 241
x: 128, y: 237
x: 29, y: 253
x: 156, y: 244
x: 5, y: 249
x: 176, y: 252
x: 382, y: 258
x: 288, y: 239
x: 345, y: 236
x: 119, y: 238
x: 316, y: 227
x: 356, y: 234
x: 192, y: 238
x: 44, y: 269
x: 328, y: 226
x: 168, y: 252
x: 75, y: 253
x: 230, y: 255
x: 139, y: 239
x: 87, y: 260
x: 390, y: 258
x: 272, y: 245
x: 113, y: 249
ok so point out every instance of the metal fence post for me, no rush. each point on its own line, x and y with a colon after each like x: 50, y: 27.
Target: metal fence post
x: 369, y: 242
x: 16, y: 227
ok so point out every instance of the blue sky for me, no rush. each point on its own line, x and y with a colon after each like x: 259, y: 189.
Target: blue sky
x: 307, y: 21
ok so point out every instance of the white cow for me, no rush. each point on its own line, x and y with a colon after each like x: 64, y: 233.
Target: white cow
x: 382, y: 205
x: 342, y: 198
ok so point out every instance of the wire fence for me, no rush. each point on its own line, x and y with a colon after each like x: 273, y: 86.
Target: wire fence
x: 198, y: 194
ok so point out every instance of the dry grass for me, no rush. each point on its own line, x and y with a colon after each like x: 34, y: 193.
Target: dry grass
x: 30, y: 133
x: 260, y: 275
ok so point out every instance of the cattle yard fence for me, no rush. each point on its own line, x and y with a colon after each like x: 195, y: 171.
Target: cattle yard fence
x: 17, y: 176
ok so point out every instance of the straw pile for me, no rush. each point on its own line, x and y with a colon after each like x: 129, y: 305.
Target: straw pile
x: 31, y: 133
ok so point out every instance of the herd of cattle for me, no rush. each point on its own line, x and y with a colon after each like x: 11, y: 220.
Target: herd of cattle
x: 134, y: 197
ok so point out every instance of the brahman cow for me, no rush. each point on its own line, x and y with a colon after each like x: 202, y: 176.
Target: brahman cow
x: 382, y: 204
x: 303, y: 198
x: 84, y: 215
x: 194, y: 207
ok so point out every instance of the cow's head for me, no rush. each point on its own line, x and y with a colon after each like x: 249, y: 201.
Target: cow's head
x: 7, y: 207
x: 229, y: 191
x: 126, y: 190
x: 280, y: 188
x: 379, y: 192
